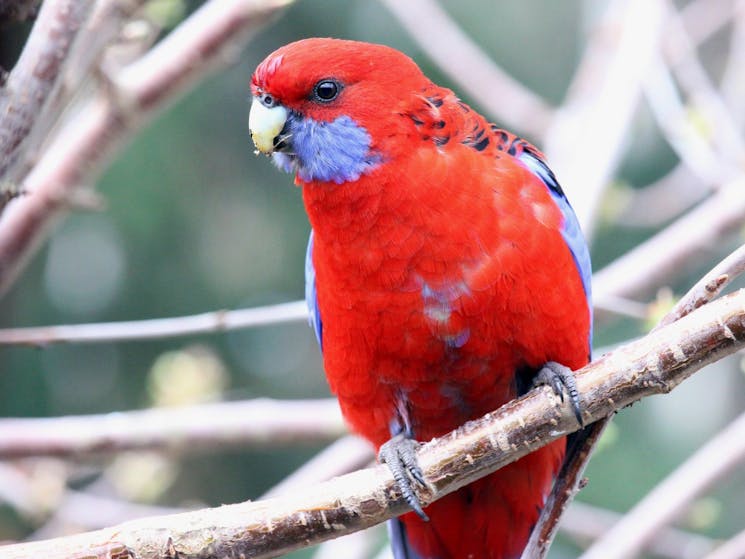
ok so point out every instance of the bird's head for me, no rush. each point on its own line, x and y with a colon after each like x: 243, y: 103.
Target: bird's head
x: 328, y: 109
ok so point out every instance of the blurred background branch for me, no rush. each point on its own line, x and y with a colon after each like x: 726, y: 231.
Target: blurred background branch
x: 261, y: 422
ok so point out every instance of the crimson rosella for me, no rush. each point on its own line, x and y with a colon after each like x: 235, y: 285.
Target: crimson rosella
x: 445, y: 270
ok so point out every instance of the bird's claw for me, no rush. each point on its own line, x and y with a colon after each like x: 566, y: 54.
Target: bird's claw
x: 560, y: 378
x: 399, y: 454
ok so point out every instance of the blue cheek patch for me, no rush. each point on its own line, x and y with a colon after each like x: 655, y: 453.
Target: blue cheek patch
x: 337, y: 151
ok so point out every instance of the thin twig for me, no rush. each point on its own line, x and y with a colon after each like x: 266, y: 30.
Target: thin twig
x: 500, y: 95
x: 207, y: 40
x: 216, y: 321
x: 669, y: 498
x: 709, y: 286
x: 620, y: 306
x: 652, y: 365
x: 262, y: 422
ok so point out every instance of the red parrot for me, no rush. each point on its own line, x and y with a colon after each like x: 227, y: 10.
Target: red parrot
x: 445, y: 270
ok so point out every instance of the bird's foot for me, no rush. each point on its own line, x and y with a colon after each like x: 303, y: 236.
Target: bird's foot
x: 399, y: 454
x: 560, y: 378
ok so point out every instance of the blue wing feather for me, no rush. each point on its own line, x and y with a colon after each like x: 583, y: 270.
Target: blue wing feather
x: 311, y: 298
x: 571, y: 231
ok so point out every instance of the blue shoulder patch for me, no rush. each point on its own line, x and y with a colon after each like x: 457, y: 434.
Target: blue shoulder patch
x: 311, y: 299
x: 571, y: 232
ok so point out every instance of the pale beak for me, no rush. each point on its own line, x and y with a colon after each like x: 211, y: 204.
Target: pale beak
x: 265, y: 124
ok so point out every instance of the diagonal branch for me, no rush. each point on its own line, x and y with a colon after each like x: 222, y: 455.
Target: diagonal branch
x: 652, y: 365
x: 709, y: 286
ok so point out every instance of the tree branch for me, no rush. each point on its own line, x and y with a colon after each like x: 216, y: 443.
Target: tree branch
x: 253, y: 422
x: 696, y: 82
x: 664, y: 199
x: 673, y: 116
x: 652, y: 365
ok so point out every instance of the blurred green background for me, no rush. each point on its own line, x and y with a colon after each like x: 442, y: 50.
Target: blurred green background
x: 195, y: 222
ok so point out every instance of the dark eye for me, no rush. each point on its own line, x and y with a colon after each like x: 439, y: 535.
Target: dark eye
x: 267, y: 100
x: 326, y: 90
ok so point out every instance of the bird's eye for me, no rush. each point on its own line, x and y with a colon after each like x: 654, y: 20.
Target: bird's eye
x: 267, y: 100
x: 326, y: 90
